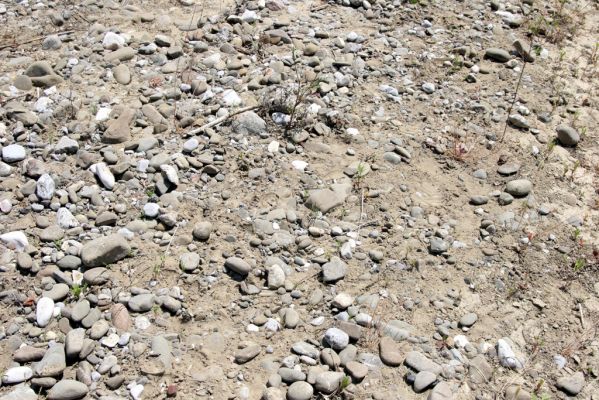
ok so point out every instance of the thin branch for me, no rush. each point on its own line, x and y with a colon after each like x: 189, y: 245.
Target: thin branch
x: 37, y: 39
x: 222, y: 119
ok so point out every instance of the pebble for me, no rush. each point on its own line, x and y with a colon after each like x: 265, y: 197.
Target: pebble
x: 67, y: 389
x: 336, y: 338
x: 519, y: 187
x: 300, y: 391
x: 13, y: 153
x: 567, y: 136
x: 44, y: 311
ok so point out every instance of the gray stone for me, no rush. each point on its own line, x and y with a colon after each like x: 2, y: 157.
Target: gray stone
x: 189, y: 261
x: 572, y: 384
x: 238, y: 265
x: 122, y: 54
x: 202, y: 230
x: 249, y: 123
x: 119, y: 130
x: 13, y: 153
x: 27, y: 354
x: 441, y: 391
x: 519, y: 187
x: 104, y: 251
x: 325, y: 200
x: 423, y: 380
x: 67, y: 389
x: 336, y: 338
x: 247, y: 354
x: 162, y: 347
x: 480, y: 370
x: 69, y: 262
x: 66, y: 145
x: 94, y: 315
x: 567, y: 135
x: 468, y: 320
x: 290, y: 375
x: 438, y: 245
x: 98, y: 329
x: 508, y: 169
x: 389, y: 352
x: 45, y: 187
x: 328, y: 382
x: 305, y: 349
x: 51, y: 42
x: 21, y: 392
x: 122, y: 74
x: 356, y: 370
x: 74, y: 342
x: 16, y: 375
x: 23, y: 82
x: 419, y: 362
x: 334, y: 270
x: 300, y: 391
x: 96, y: 276
x: 42, y: 74
x: 498, y: 55
x: 58, y: 292
x: 141, y: 303
x: 80, y: 311
x: 53, y: 363
x: 518, y: 121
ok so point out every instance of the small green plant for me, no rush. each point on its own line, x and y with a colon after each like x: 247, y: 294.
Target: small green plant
x: 576, y: 234
x: 157, y: 269
x: 358, y: 177
x: 155, y: 309
x: 58, y: 243
x: 579, y: 264
x: 345, y: 382
x: 77, y: 290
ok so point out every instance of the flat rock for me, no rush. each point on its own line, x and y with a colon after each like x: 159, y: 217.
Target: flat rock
x: 328, y: 382
x: 441, y: 391
x: 572, y: 384
x: 21, y: 392
x: 423, y: 380
x: 238, y: 265
x: 336, y: 338
x: 104, y: 251
x: 122, y: 74
x: 498, y: 55
x: 419, y: 362
x: 120, y: 317
x: 141, y: 303
x: 16, y: 375
x: 300, y: 391
x: 53, y: 362
x: 247, y: 354
x: 519, y: 187
x: 567, y: 136
x: 334, y: 270
x: 67, y: 389
x: 389, y: 352
x: 44, y: 311
x: 118, y: 130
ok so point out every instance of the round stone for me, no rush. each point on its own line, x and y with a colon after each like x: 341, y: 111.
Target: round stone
x: 300, y: 391
x: 567, y: 135
x: 336, y: 338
